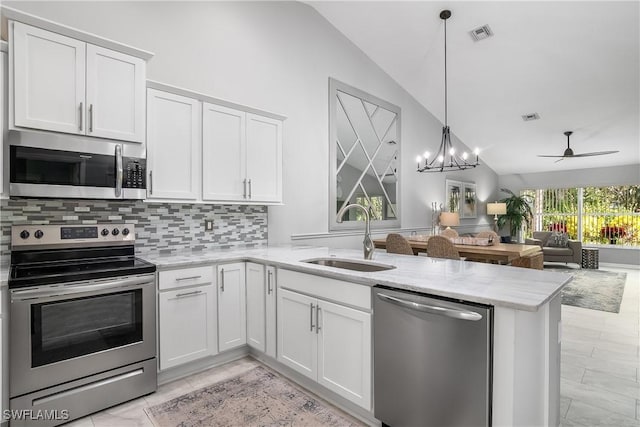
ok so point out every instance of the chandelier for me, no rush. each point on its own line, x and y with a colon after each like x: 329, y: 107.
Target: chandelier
x: 447, y: 158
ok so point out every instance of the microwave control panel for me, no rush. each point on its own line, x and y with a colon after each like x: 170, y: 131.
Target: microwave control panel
x: 135, y: 172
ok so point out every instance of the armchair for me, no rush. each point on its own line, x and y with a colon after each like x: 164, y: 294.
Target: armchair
x: 572, y: 253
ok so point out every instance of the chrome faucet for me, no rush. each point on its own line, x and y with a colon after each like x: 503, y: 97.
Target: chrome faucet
x: 367, y: 243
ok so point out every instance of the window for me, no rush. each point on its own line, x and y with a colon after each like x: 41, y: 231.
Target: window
x: 594, y: 215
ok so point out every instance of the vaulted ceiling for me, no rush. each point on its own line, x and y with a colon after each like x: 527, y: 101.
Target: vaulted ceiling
x: 575, y: 63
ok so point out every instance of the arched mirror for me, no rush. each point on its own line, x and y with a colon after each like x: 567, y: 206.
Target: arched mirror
x: 364, y: 157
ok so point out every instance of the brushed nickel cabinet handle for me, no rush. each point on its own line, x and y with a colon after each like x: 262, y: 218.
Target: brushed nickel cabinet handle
x: 249, y: 188
x: 269, y: 277
x: 187, y: 278
x: 90, y: 117
x: 244, y: 188
x: 311, y: 315
x: 318, y: 319
x: 222, y: 280
x: 81, y: 114
x: 150, y: 182
x: 186, y: 294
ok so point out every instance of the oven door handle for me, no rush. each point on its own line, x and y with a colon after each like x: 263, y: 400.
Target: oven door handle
x: 31, y: 294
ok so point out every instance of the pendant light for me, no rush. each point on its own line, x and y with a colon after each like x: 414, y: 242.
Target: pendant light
x: 447, y: 158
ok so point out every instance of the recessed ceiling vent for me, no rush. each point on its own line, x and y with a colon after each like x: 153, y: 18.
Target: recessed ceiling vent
x: 481, y: 33
x: 529, y: 117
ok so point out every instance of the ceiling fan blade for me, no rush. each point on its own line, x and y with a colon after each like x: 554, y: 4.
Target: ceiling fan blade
x: 559, y: 160
x: 596, y: 153
x: 549, y: 155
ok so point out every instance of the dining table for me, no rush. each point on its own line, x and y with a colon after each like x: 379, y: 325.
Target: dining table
x: 498, y: 253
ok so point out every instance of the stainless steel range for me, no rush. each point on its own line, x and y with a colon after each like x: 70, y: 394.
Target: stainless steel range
x: 82, y: 321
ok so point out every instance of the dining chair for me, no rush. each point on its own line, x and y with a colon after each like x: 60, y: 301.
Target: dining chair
x: 441, y: 247
x: 397, y: 244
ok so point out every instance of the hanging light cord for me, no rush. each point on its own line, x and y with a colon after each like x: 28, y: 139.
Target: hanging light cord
x: 445, y: 74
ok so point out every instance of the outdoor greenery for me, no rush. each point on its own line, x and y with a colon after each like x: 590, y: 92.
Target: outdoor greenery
x: 610, y: 215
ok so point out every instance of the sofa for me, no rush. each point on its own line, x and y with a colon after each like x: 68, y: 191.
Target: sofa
x: 554, y: 250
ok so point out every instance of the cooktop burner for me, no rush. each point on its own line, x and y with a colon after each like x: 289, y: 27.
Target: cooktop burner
x: 63, y: 254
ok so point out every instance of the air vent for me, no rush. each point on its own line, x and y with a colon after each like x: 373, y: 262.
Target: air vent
x: 529, y: 117
x: 481, y: 33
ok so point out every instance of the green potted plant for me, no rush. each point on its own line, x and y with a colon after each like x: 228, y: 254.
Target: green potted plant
x: 518, y: 214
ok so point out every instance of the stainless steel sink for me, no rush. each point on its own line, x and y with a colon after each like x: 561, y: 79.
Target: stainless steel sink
x: 350, y: 264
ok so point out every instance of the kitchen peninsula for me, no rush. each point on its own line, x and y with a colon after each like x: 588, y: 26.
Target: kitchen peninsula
x: 526, y: 319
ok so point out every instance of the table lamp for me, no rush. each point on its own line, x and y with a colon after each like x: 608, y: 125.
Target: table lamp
x: 449, y: 219
x: 496, y: 209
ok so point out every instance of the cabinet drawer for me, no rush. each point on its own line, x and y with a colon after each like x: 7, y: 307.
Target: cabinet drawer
x: 345, y: 293
x: 172, y: 279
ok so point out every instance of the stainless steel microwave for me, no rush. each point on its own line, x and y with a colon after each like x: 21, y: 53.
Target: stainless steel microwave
x: 60, y: 166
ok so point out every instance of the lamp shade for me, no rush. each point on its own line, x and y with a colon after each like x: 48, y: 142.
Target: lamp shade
x: 496, y: 208
x: 449, y: 219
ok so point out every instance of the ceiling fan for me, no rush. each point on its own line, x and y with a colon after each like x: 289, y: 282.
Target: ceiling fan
x: 568, y: 153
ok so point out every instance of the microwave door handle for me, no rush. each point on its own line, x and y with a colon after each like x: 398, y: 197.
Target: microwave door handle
x: 119, y: 171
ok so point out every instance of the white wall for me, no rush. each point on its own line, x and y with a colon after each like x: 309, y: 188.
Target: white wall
x: 597, y: 177
x: 276, y: 56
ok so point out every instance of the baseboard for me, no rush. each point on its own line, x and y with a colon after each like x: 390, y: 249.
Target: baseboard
x: 172, y: 374
x: 614, y: 265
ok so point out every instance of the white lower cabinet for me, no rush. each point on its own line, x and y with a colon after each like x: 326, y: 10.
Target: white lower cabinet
x: 187, y: 316
x: 270, y: 315
x: 256, y: 306
x: 232, y: 319
x: 329, y: 343
x: 261, y: 308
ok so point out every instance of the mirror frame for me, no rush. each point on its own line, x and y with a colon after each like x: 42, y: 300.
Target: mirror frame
x: 336, y: 86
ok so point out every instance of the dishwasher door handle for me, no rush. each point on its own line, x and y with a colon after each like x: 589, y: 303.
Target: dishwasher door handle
x: 443, y: 311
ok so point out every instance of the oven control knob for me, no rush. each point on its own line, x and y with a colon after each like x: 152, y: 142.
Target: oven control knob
x: 24, y: 234
x: 115, y: 231
x: 125, y: 231
x: 104, y: 232
x: 38, y: 234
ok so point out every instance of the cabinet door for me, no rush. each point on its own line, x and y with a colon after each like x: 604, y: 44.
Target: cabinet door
x: 173, y: 146
x: 264, y: 159
x: 115, y: 95
x: 223, y: 153
x: 270, y: 319
x: 344, y: 352
x: 256, y: 304
x: 232, y: 320
x: 48, y: 80
x: 187, y: 325
x: 297, y: 341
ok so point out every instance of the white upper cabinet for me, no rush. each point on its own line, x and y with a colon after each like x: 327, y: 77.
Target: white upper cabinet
x: 173, y: 146
x: 115, y: 94
x: 242, y: 156
x: 264, y: 158
x: 48, y: 80
x: 66, y: 85
x: 223, y: 153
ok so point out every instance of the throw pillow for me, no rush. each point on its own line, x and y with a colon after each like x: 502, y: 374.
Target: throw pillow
x: 558, y: 240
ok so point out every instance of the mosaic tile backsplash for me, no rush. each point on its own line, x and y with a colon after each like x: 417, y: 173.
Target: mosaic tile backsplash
x: 160, y: 227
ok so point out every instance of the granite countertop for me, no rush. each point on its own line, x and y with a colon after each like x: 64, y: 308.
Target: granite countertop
x: 497, y: 285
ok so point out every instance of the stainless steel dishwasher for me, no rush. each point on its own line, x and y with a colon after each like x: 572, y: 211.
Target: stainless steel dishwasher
x: 432, y: 360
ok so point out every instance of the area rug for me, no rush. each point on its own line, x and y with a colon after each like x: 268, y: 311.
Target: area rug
x: 593, y: 289
x: 258, y: 397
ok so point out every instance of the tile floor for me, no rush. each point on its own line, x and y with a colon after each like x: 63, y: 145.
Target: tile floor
x: 599, y: 381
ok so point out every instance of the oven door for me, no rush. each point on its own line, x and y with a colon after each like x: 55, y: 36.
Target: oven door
x: 63, y: 332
